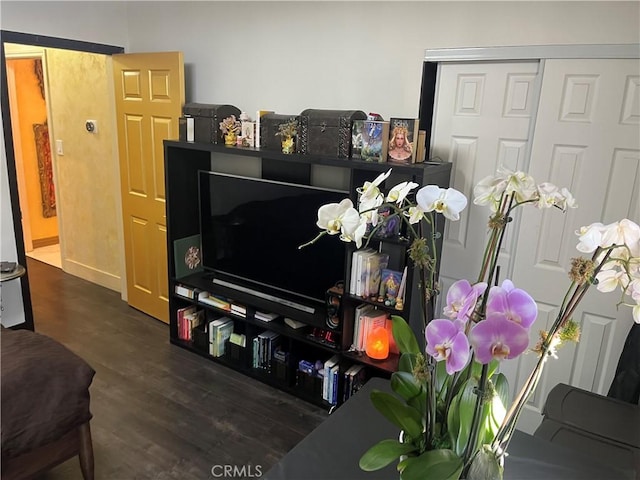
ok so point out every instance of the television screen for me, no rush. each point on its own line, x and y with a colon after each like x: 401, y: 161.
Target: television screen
x: 251, y: 229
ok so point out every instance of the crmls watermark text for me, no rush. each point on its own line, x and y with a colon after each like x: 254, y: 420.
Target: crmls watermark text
x: 236, y: 471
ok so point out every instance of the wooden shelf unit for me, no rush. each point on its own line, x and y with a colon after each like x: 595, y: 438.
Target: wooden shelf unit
x: 183, y: 160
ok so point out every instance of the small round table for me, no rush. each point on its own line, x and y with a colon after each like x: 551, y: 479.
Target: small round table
x: 17, y: 272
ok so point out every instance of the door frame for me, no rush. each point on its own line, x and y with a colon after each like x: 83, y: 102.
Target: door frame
x: 45, y: 42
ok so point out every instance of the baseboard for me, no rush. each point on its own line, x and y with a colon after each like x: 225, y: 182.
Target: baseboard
x: 93, y: 275
x: 45, y: 242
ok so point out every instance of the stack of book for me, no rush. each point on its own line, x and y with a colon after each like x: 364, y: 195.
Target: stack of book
x: 366, y: 318
x: 353, y: 379
x: 263, y: 347
x: 220, y: 330
x: 239, y: 310
x: 265, y: 316
x: 218, y: 302
x: 366, y: 268
x: 185, y: 291
x: 188, y: 319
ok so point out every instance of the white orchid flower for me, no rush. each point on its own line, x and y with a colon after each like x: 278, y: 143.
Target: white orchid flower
x: 590, y: 237
x: 548, y: 195
x: 624, y: 232
x: 338, y: 217
x: 398, y: 193
x: 523, y: 186
x: 449, y: 202
x: 415, y: 214
x: 609, y: 280
x: 634, y: 290
x: 567, y: 199
x: 356, y: 234
x: 370, y: 190
x: 489, y: 191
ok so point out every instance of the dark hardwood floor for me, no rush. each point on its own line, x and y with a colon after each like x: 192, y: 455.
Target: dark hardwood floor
x: 160, y: 412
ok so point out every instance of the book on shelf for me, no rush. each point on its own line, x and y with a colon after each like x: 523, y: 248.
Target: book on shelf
x: 358, y: 326
x: 238, y: 309
x: 326, y: 378
x: 187, y: 256
x: 355, y: 283
x: 421, y: 152
x: 266, y: 344
x: 185, y: 291
x: 375, y: 141
x: 180, y: 314
x: 220, y: 330
x: 295, y: 324
x: 239, y: 339
x: 214, y: 301
x: 372, y: 273
x: 190, y: 321
x: 356, y: 139
x: 265, y: 316
x: 403, y: 140
x: 356, y: 378
x: 259, y: 114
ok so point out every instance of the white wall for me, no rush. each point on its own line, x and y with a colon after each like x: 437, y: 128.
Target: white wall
x: 11, y: 305
x: 288, y: 56
x: 97, y: 22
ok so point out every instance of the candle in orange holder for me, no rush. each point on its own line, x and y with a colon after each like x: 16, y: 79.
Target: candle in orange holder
x: 378, y: 344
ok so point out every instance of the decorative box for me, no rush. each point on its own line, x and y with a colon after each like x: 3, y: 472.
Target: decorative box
x: 269, y: 124
x: 207, y: 118
x: 327, y: 132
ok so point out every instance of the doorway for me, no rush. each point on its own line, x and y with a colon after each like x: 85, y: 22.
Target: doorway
x: 10, y: 140
x: 28, y: 100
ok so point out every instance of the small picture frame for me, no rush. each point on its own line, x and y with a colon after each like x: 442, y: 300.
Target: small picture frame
x: 388, y: 224
x: 389, y: 287
x: 187, y: 256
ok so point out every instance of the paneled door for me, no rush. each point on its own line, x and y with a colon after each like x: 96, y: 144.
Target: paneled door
x: 149, y: 90
x: 482, y: 120
x: 587, y: 137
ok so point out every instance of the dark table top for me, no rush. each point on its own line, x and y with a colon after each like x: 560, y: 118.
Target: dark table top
x: 333, y: 449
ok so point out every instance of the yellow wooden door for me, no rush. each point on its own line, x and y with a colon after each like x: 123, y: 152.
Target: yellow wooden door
x: 149, y: 94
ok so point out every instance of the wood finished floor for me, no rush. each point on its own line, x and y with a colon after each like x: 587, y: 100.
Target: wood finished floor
x: 160, y: 412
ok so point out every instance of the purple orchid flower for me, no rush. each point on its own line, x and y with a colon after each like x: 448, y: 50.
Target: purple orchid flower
x: 462, y: 298
x: 446, y: 341
x: 497, y: 337
x: 514, y: 303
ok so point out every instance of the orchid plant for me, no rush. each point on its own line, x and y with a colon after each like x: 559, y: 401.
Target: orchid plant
x: 451, y: 401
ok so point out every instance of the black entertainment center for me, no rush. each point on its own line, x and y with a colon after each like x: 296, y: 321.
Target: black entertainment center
x: 251, y: 209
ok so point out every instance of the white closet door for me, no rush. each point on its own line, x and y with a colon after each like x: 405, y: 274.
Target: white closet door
x: 587, y: 138
x: 482, y: 118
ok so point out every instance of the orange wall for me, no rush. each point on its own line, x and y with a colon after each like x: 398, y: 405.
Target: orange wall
x: 32, y: 109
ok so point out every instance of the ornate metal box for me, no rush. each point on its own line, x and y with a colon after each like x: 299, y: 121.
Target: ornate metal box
x: 269, y: 124
x: 327, y: 132
x: 207, y: 118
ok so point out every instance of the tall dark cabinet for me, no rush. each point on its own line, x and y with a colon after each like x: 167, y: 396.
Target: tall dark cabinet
x: 182, y: 162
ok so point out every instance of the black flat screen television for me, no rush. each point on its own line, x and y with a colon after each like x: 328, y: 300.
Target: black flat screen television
x: 251, y: 229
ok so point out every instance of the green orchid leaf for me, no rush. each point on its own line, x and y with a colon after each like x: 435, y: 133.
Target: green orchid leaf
x: 436, y: 464
x: 407, y: 362
x: 383, y: 453
x: 501, y: 385
x: 404, y: 336
x: 466, y: 406
x: 441, y: 376
x: 401, y: 415
x: 419, y: 402
x: 493, y: 367
x: 405, y: 385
